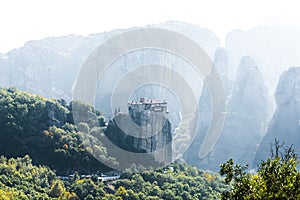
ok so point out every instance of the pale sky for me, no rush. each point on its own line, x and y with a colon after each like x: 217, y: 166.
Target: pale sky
x: 24, y: 20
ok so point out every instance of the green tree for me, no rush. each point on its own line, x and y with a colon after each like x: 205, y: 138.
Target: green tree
x: 276, y: 178
x: 20, y: 179
x: 57, y: 189
x: 122, y: 192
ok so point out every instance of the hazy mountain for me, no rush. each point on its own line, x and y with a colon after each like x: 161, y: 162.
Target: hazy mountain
x: 248, y: 111
x: 273, y: 48
x: 49, y: 66
x: 205, y: 106
x: 285, y: 124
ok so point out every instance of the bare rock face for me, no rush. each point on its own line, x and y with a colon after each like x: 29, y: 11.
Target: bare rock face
x: 220, y: 66
x: 288, y: 88
x: 285, y: 124
x: 221, y: 61
x: 250, y: 96
x: 144, y: 129
x: 247, y: 114
x: 248, y: 117
x: 50, y: 66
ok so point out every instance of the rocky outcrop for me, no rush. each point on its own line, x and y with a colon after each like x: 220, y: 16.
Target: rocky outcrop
x: 250, y: 97
x: 205, y: 108
x: 142, y: 131
x: 247, y: 120
x: 285, y: 123
x: 274, y: 49
x: 221, y: 61
x: 247, y: 115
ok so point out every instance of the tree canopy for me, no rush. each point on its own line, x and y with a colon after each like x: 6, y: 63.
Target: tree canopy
x: 276, y: 178
x: 44, y: 129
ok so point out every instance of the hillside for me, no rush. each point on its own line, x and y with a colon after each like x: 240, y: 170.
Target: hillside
x: 43, y: 129
x: 19, y: 179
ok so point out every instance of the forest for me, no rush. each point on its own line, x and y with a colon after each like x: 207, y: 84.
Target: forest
x: 20, y: 179
x: 44, y: 129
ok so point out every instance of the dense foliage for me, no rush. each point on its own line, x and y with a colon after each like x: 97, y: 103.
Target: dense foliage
x: 177, y: 181
x: 20, y: 179
x: 276, y: 178
x: 44, y: 129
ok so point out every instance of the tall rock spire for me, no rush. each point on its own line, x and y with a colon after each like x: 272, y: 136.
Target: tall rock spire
x: 285, y: 124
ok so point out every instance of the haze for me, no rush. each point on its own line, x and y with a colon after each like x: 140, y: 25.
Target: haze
x: 22, y: 21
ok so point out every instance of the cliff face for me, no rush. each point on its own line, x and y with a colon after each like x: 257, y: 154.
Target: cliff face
x: 205, y: 107
x: 142, y: 131
x: 248, y: 117
x: 250, y: 99
x: 247, y: 114
x: 285, y: 124
x: 49, y: 66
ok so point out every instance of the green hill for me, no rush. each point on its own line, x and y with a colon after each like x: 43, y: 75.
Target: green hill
x: 44, y: 129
